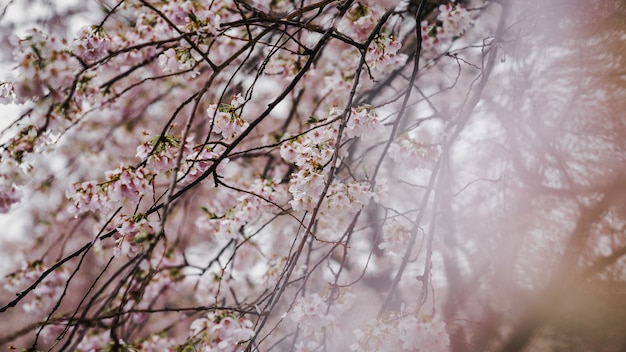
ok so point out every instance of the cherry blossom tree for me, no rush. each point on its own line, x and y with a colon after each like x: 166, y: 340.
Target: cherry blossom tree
x: 314, y: 175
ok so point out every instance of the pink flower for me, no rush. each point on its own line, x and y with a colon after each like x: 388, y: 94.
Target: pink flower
x: 87, y: 196
x: 382, y: 55
x: 225, y: 119
x: 395, y: 237
x: 7, y: 94
x: 132, y: 234
x: 9, y: 195
x: 127, y: 184
x: 362, y: 123
x: 221, y: 331
x: 157, y: 343
x: 413, y: 153
x: 92, y: 43
x: 94, y: 341
x: 360, y: 21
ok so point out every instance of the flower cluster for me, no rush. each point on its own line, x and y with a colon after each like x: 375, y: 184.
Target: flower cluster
x: 9, y: 195
x: 261, y: 200
x: 94, y: 341
x: 124, y: 185
x: 395, y: 237
x: 7, y: 94
x: 160, y: 153
x: 311, y: 313
x: 23, y: 144
x: 316, y: 313
x: 194, y: 16
x: 132, y: 234
x: 360, y: 20
x: 226, y: 120
x: 127, y: 183
x: 453, y: 20
x: 382, y: 54
x: 220, y: 331
x: 363, y: 123
x: 44, y: 64
x: 181, y: 59
x: 306, y: 186
x: 199, y: 161
x: 100, y: 340
x: 413, y: 154
x: 87, y: 196
x: 92, y: 43
x: 268, y: 5
x: 156, y: 343
x: 347, y: 198
x: 402, y: 332
x: 46, y: 294
x: 312, y: 152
